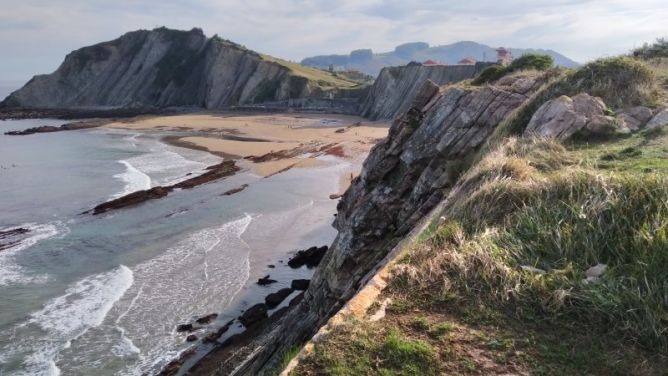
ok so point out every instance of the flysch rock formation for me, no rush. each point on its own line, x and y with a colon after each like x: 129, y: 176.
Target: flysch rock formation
x: 168, y: 68
x: 404, y: 178
x: 395, y: 87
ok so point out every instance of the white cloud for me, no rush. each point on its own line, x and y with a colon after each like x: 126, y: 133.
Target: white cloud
x: 35, y: 35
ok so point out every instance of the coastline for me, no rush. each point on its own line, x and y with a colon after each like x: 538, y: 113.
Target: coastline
x: 272, y: 167
x: 268, y: 144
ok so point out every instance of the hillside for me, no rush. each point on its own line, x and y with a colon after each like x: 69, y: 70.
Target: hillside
x: 546, y: 240
x: 371, y: 63
x: 500, y: 228
x: 172, y: 68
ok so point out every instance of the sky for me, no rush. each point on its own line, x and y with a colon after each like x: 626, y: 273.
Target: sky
x: 35, y: 35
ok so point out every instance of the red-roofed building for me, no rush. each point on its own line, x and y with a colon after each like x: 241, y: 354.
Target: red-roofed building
x: 503, y: 56
x: 467, y: 61
x: 432, y: 63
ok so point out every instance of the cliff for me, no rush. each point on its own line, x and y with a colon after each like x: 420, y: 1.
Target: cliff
x: 480, y: 233
x: 395, y: 87
x: 172, y: 68
x: 404, y: 177
x: 370, y: 62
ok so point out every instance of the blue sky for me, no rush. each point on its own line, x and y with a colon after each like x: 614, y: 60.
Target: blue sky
x: 35, y: 35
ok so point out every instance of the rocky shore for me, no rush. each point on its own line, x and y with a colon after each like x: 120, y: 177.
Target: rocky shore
x: 213, y: 173
x: 256, y: 319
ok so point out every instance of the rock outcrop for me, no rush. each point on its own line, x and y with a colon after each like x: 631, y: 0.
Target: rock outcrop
x: 171, y: 68
x: 564, y: 117
x: 213, y: 173
x: 404, y: 178
x: 395, y: 87
x: 659, y: 120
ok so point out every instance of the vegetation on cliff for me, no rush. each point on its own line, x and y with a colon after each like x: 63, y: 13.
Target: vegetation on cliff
x: 524, y: 62
x: 548, y: 258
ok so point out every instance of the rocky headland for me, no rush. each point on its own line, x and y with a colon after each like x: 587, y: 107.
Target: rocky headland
x: 164, y: 68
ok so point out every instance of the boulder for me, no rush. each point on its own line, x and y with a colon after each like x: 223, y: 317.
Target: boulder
x: 265, y: 281
x: 253, y: 315
x: 184, y: 327
x: 191, y: 338
x: 564, y: 116
x: 274, y: 299
x: 659, y: 120
x: 213, y: 336
x: 635, y: 117
x: 300, y: 284
x: 310, y: 257
x: 207, y: 319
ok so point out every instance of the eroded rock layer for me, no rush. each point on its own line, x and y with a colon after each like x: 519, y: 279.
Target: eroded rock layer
x: 395, y: 87
x: 166, y: 68
x: 404, y: 177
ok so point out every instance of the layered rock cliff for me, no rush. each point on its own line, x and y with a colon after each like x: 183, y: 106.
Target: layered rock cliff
x: 171, y: 68
x: 404, y: 178
x: 395, y: 87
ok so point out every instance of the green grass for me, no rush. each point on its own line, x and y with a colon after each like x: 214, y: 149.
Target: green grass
x: 373, y: 351
x: 537, y: 62
x: 462, y: 303
x: 322, y: 78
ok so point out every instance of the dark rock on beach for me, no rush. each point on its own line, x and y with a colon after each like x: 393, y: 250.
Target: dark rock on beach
x: 132, y: 199
x: 254, y: 315
x: 300, y: 284
x: 191, y: 338
x: 213, y: 336
x: 184, y: 327
x: 8, y: 237
x: 235, y: 190
x: 274, y: 299
x: 310, y: 257
x: 215, y: 172
x: 207, y: 319
x: 264, y: 281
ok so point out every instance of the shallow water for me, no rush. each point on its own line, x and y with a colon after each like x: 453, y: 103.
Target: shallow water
x: 82, y: 294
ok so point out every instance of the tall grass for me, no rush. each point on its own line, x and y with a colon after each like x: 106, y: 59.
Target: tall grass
x: 561, y: 221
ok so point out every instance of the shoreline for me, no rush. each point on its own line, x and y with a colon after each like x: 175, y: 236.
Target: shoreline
x: 269, y: 143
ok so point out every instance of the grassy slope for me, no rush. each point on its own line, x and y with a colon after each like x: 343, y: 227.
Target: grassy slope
x: 498, y: 288
x: 322, y: 78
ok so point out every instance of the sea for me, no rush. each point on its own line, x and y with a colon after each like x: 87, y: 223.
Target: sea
x: 83, y: 294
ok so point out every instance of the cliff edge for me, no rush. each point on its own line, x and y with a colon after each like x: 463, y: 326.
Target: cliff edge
x: 172, y: 68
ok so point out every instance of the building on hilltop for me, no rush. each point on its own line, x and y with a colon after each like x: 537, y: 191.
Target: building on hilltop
x: 432, y: 63
x: 503, y: 56
x: 467, y: 61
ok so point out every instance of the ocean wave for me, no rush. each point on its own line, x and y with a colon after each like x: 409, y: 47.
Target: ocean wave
x: 197, y: 275
x: 10, y: 272
x: 134, y: 179
x: 159, y: 165
x: 65, y: 318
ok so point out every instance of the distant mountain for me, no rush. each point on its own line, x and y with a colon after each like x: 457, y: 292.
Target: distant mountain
x: 368, y: 62
x: 171, y: 68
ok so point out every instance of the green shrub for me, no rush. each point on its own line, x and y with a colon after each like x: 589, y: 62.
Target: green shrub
x: 490, y: 74
x: 531, y: 61
x: 654, y: 50
x: 524, y: 62
x: 619, y: 81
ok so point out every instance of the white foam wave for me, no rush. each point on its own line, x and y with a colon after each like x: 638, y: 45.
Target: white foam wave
x: 65, y: 318
x: 198, y: 274
x: 85, y: 304
x: 160, y: 165
x: 134, y: 179
x: 10, y: 272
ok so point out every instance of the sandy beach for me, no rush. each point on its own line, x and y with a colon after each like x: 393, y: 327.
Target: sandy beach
x: 268, y: 144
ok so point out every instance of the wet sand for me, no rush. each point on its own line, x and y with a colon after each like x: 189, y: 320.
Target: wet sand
x: 268, y: 144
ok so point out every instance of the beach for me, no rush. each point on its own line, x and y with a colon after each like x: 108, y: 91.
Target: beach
x: 267, y: 144
x: 137, y: 272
